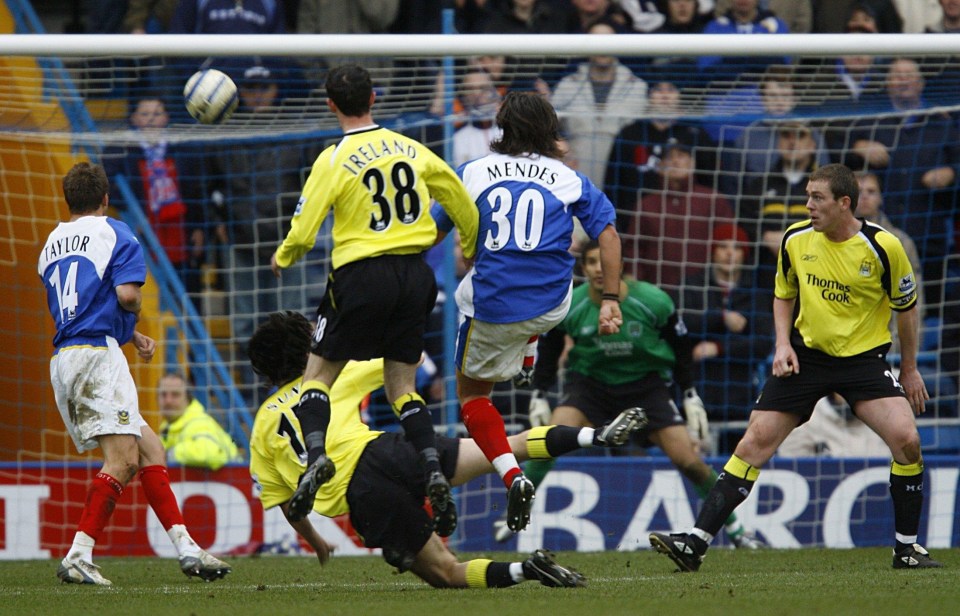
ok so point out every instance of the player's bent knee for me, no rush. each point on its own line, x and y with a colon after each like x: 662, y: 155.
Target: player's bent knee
x: 910, y: 450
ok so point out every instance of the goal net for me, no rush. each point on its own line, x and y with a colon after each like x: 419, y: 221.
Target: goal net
x: 697, y: 143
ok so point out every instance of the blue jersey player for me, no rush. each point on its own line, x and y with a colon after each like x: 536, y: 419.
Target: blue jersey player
x: 521, y: 281
x: 92, y: 268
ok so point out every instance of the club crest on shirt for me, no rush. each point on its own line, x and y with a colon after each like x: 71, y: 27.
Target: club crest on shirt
x: 123, y: 417
x: 866, y: 268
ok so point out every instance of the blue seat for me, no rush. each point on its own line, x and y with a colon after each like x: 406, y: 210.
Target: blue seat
x: 931, y: 334
x: 940, y: 439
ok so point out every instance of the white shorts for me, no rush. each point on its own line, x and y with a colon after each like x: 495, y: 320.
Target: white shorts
x: 95, y: 393
x: 494, y: 351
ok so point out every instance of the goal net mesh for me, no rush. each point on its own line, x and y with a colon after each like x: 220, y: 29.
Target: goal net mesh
x: 690, y: 157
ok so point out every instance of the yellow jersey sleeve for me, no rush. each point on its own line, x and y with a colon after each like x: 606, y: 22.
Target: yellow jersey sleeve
x: 901, y: 285
x: 449, y: 191
x: 312, y: 208
x: 785, y: 282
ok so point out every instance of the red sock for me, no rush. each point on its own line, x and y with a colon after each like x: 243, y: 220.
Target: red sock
x: 486, y: 427
x: 530, y: 352
x: 156, y: 483
x: 101, y: 500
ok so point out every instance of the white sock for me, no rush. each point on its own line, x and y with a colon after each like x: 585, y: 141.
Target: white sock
x: 585, y: 437
x: 908, y: 539
x: 82, y: 547
x: 182, y: 540
x: 696, y: 532
x: 505, y: 463
x: 516, y: 572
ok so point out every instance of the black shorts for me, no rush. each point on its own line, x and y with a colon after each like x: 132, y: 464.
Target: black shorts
x: 600, y: 402
x: 376, y: 307
x: 386, y: 496
x: 862, y: 377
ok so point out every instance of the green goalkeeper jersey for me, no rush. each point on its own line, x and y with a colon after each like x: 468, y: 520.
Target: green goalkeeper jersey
x: 637, y: 350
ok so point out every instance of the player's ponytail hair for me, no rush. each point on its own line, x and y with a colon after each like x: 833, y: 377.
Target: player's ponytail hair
x: 530, y: 126
x: 278, y: 349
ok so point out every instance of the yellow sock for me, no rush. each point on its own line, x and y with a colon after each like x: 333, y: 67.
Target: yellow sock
x: 537, y: 443
x: 477, y: 572
x: 405, y: 398
x: 740, y: 469
x: 906, y: 470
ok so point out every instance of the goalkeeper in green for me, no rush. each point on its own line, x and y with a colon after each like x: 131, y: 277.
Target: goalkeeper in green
x: 632, y: 368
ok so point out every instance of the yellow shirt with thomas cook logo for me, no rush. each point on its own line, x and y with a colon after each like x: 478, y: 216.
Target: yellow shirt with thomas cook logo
x: 846, y: 290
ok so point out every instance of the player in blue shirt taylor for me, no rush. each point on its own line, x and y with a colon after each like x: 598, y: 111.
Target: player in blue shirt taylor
x: 93, y: 268
x: 521, y: 280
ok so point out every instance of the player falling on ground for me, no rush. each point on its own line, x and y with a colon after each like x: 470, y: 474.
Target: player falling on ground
x: 847, y: 275
x: 92, y: 268
x: 378, y: 480
x: 521, y: 281
x: 378, y: 184
x: 630, y: 368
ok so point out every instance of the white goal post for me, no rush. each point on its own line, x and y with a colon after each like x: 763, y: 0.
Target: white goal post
x: 310, y: 45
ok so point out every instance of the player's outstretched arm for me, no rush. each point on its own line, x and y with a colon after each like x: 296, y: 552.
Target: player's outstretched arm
x: 306, y: 530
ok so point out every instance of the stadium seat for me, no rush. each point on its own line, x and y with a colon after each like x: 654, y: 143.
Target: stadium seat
x: 940, y: 439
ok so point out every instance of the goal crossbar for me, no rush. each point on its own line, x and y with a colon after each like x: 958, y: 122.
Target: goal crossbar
x: 309, y: 45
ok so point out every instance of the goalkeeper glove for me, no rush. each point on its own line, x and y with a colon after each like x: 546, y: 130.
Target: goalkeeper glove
x: 697, y: 424
x: 539, y: 411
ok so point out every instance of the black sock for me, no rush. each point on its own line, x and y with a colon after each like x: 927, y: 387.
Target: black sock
x: 725, y: 496
x: 560, y: 440
x: 907, y: 494
x: 418, y: 430
x: 498, y: 575
x: 313, y: 412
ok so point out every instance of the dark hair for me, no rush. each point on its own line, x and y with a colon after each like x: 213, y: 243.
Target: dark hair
x: 278, y: 349
x: 587, y: 247
x: 530, y: 126
x: 349, y: 87
x: 84, y: 188
x: 841, y: 180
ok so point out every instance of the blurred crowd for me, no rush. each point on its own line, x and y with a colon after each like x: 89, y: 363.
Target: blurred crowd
x: 705, y: 158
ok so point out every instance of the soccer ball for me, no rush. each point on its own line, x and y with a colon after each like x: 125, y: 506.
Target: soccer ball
x: 210, y: 96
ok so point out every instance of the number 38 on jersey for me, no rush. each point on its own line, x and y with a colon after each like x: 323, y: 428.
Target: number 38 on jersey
x: 405, y: 204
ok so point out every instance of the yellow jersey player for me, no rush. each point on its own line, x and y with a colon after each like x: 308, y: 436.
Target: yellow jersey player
x: 845, y: 276
x: 378, y: 479
x: 378, y: 184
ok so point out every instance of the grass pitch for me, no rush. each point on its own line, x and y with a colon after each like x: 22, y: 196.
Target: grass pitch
x: 771, y: 582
